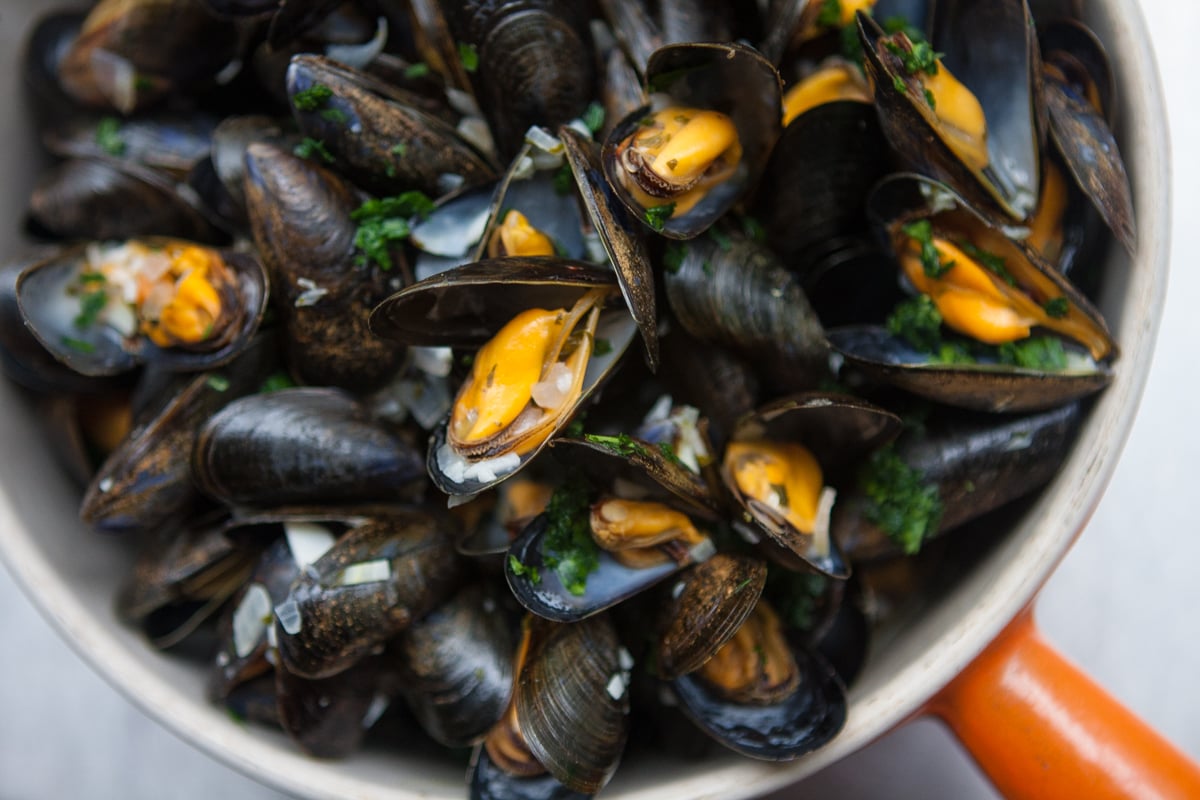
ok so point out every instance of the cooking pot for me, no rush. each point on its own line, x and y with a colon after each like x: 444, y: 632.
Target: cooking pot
x: 973, y: 657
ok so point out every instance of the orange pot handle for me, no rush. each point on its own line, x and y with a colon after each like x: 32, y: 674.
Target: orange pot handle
x: 1040, y: 728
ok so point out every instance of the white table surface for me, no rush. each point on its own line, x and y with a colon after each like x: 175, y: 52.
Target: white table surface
x: 1123, y: 604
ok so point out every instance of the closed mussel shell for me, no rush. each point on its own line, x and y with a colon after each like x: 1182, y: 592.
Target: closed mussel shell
x: 298, y: 446
x: 973, y: 462
x: 371, y: 585
x: 711, y: 601
x: 573, y: 703
x: 300, y: 215
x: 382, y: 138
x: 457, y: 666
x: 145, y: 482
x: 329, y: 717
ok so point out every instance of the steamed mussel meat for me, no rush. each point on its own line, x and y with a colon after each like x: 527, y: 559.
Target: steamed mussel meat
x: 446, y: 236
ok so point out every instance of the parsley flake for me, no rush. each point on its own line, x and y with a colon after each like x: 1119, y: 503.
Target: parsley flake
x: 564, y: 179
x: 335, y: 115
x: 830, y: 15
x: 108, y: 137
x: 1041, y: 353
x: 656, y: 216
x: 567, y: 545
x: 218, y: 382
x: 900, y: 501
x: 384, y: 221
x: 922, y: 232
x: 308, y: 148
x: 91, y: 303
x: 417, y: 70
x: 469, y: 56
x: 593, y: 117
x: 522, y: 571
x: 275, y: 382
x: 622, y: 444
x: 78, y: 344
x: 601, y: 347
x: 1057, y: 307
x: 989, y: 261
x: 312, y: 98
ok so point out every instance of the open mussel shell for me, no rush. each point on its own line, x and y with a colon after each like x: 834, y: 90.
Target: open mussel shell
x: 302, y: 446
x: 977, y: 461
x: 838, y: 430
x: 711, y: 601
x: 171, y: 142
x: 50, y: 310
x: 803, y: 721
x: 573, y: 702
x: 467, y: 305
x: 608, y: 584
x: 457, y: 667
x: 1077, y: 92
x: 623, y: 239
x: 727, y: 77
x: 606, y: 460
x: 374, y: 582
x: 382, y: 138
x: 1004, y: 75
x: 889, y: 359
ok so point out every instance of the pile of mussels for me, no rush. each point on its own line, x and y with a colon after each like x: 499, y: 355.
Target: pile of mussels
x: 688, y: 308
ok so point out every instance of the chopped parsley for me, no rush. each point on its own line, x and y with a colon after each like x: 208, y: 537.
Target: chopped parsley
x: 78, y: 344
x: 830, y: 15
x: 922, y: 232
x: 567, y: 545
x: 312, y: 98
x: 218, y: 382
x: 310, y: 148
x: 383, y: 222
x: 91, y: 303
x: 93, y: 277
x: 668, y: 452
x: 575, y: 429
x: 275, y: 382
x: 593, y: 117
x: 335, y: 115
x: 417, y: 70
x: 1042, y: 353
x: 469, y: 56
x: 753, y: 229
x: 601, y: 347
x: 796, y: 596
x: 989, y: 261
x: 108, y: 136
x: 1057, y: 307
x: 898, y: 84
x: 931, y: 100
x: 564, y: 180
x: 918, y: 322
x: 721, y: 238
x: 917, y: 58
x: 522, y: 571
x: 657, y: 216
x: 673, y: 256
x: 399, y: 149
x: 622, y: 444
x: 900, y: 501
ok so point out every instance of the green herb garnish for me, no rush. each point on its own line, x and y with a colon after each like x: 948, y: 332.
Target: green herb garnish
x: 920, y: 57
x: 668, y: 451
x: 308, y: 148
x: 335, y: 115
x: 673, y: 256
x: 399, y: 149
x: 601, y: 347
x: 575, y: 429
x: 1057, y: 307
x: 989, y: 261
x: 523, y: 571
x: 657, y: 216
x: 417, y: 70
x: 275, y: 382
x: 91, y: 303
x: 108, y: 136
x: 918, y: 322
x: 753, y: 229
x: 567, y: 545
x: 78, y: 344
x: 564, y: 180
x: 900, y: 501
x: 898, y: 84
x: 721, y: 238
x: 1041, y: 353
x: 931, y: 100
x: 593, y: 117
x: 922, y: 232
x: 830, y: 15
x: 469, y: 56
x: 312, y: 98
x: 384, y: 221
x: 796, y: 596
x: 218, y: 382
x: 622, y: 444
x: 93, y: 277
